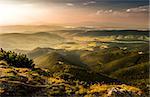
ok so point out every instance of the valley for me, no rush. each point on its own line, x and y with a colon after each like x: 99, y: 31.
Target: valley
x: 80, y: 60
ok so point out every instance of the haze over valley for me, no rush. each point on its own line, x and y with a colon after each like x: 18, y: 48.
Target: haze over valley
x: 73, y: 48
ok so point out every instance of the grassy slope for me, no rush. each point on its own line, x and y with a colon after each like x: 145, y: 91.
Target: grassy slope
x: 38, y: 52
x: 124, y: 62
x: 64, y: 68
x: 26, y: 82
x: 97, y: 60
x: 60, y: 67
x: 127, y: 65
x: 140, y: 71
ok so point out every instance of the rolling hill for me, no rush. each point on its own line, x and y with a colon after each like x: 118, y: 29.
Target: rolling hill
x: 114, y: 33
x: 128, y: 65
x: 61, y: 66
x: 124, y: 62
x: 139, y: 71
x: 55, y: 59
x: 38, y: 52
x: 29, y: 41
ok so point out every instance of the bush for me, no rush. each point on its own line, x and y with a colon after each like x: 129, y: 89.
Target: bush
x: 16, y: 60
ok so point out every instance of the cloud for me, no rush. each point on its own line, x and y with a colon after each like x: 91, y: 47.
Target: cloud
x: 104, y: 11
x: 69, y: 4
x: 113, y: 13
x: 89, y: 2
x: 99, y: 12
x: 125, y: 12
x: 138, y: 9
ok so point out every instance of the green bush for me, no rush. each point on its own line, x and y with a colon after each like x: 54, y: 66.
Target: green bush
x: 16, y: 60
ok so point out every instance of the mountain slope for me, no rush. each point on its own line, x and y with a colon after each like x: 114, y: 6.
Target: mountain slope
x: 127, y: 61
x: 16, y: 82
x: 65, y: 80
x: 62, y: 67
x: 38, y: 52
x: 140, y: 71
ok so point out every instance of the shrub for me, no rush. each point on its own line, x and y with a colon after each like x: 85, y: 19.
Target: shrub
x: 16, y: 60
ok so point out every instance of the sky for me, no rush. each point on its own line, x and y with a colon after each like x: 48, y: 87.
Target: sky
x: 123, y: 14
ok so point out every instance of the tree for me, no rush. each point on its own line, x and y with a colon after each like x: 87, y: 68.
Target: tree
x: 16, y: 60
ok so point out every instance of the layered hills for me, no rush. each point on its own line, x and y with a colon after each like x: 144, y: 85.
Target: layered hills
x: 19, y: 80
x: 75, y: 62
x: 126, y: 65
x: 29, y: 41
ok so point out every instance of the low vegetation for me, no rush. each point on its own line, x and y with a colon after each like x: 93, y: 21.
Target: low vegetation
x: 16, y: 60
x: 18, y: 79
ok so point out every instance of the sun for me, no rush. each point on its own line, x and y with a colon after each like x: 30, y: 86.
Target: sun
x: 8, y: 13
x: 12, y: 14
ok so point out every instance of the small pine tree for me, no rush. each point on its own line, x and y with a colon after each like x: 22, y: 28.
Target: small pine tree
x: 16, y: 60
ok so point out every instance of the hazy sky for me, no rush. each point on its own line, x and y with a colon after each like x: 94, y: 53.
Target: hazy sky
x: 102, y: 13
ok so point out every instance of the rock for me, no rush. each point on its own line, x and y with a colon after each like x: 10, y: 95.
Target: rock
x: 119, y: 92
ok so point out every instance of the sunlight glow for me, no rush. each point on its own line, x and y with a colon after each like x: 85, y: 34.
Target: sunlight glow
x: 38, y: 13
x: 12, y: 14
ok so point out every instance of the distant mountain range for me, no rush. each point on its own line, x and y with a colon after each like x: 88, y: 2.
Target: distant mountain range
x: 115, y: 32
x: 32, y: 40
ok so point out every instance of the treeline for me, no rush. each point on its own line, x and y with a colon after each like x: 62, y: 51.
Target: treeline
x: 16, y: 60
